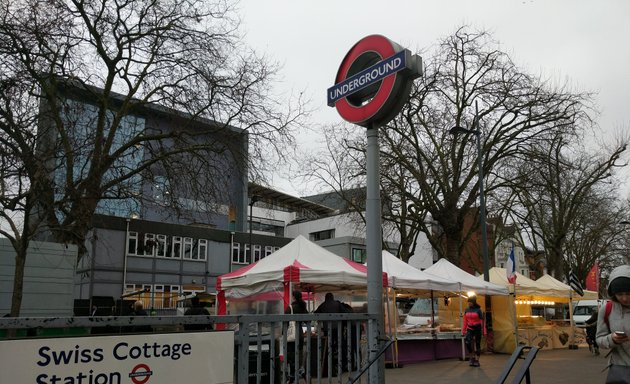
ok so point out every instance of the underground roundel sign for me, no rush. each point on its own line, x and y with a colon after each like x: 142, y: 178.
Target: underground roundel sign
x: 373, y: 81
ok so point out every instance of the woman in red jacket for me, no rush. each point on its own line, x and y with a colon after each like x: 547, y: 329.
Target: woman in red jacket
x: 472, y: 329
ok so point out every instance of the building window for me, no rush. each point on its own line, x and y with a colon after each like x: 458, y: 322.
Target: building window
x: 177, y: 248
x: 149, y: 244
x: 257, y: 252
x: 161, y: 245
x: 132, y: 243
x: 202, y: 249
x: 238, y: 257
x: 268, y: 250
x: 248, y: 254
x: 358, y: 255
x: 140, y: 292
x: 187, y: 251
x: 165, y: 296
x: 322, y: 235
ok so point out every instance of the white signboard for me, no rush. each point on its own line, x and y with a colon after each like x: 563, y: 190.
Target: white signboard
x: 191, y: 358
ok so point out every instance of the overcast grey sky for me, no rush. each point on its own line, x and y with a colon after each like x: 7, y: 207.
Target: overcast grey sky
x: 583, y: 42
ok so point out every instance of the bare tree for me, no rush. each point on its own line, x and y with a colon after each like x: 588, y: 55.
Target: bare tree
x: 75, y: 76
x: 563, y: 201
x: 595, y: 234
x: 430, y: 176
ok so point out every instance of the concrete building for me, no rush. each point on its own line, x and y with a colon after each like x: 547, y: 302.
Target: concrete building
x: 167, y: 232
x: 48, y: 279
x: 343, y: 231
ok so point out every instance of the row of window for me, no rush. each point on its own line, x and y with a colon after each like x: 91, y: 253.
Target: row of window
x: 178, y: 247
x: 174, y: 247
x: 241, y: 253
x: 158, y: 296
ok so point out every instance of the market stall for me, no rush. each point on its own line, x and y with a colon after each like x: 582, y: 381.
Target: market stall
x: 302, y: 264
x: 432, y: 327
x: 579, y: 334
x: 426, y: 340
x: 534, y: 311
x: 452, y: 310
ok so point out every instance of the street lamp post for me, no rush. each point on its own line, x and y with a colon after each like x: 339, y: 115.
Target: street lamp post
x: 482, y: 201
x: 252, y: 201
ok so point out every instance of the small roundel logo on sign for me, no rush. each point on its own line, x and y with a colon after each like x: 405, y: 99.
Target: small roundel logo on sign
x: 140, y: 374
x: 373, y: 81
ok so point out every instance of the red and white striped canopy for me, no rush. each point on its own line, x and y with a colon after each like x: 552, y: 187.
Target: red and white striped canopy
x: 299, y: 262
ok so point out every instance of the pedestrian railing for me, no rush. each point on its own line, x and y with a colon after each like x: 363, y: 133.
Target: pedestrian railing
x: 333, y: 347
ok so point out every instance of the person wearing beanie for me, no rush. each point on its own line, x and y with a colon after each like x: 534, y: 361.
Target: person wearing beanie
x: 472, y: 329
x: 614, y: 333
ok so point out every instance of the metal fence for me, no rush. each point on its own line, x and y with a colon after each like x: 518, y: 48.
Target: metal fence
x: 332, y: 349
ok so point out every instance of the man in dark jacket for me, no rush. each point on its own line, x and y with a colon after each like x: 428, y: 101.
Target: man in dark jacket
x: 196, y: 309
x: 330, y: 305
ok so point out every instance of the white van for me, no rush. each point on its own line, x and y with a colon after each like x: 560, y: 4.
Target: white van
x: 421, y: 313
x: 583, y: 309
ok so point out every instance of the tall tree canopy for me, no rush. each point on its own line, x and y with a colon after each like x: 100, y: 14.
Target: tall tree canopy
x: 118, y: 57
x: 429, y: 177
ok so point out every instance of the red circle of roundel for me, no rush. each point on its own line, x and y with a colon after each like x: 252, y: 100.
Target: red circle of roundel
x: 384, y: 48
x: 146, y: 376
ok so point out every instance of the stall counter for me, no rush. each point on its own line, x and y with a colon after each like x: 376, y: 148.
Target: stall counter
x: 418, y: 347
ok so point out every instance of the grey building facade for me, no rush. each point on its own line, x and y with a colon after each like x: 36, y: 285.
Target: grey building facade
x: 48, y: 279
x: 160, y: 263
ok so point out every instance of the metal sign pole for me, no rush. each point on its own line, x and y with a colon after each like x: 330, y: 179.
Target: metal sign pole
x: 376, y: 373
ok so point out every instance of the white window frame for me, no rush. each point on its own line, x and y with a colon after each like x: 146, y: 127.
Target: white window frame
x: 149, y: 237
x: 147, y: 301
x: 132, y: 236
x: 161, y: 245
x: 247, y: 254
x: 202, y: 249
x: 257, y: 252
x: 187, y: 249
x: 240, y: 256
x: 176, y: 254
x: 268, y: 250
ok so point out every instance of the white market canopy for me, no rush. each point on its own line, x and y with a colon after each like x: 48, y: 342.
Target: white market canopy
x: 300, y: 262
x: 545, y: 287
x: 445, y: 269
x: 402, y: 276
x: 524, y: 285
x: 553, y: 282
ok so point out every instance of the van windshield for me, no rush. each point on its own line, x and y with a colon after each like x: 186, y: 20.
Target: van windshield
x: 422, y: 307
x: 586, y: 311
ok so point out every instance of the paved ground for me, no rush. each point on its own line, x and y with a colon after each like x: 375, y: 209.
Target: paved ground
x: 575, y: 366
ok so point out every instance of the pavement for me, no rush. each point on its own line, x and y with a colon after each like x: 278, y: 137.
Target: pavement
x: 571, y: 366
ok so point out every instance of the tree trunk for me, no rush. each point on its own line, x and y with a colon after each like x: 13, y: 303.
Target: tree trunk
x: 18, y: 279
x: 453, y: 241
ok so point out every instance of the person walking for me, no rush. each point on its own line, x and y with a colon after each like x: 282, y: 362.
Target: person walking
x: 472, y: 330
x: 613, y: 326
x: 297, y: 306
x: 591, y: 332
